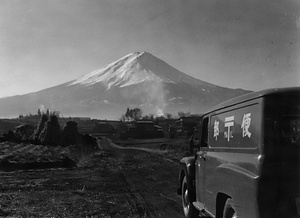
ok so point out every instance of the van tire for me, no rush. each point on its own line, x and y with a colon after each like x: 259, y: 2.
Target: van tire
x: 229, y: 211
x: 187, y: 200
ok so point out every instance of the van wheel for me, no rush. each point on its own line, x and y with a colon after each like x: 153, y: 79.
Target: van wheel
x: 188, y: 208
x: 229, y: 211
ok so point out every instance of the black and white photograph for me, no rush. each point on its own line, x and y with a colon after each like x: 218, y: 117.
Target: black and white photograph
x: 150, y: 108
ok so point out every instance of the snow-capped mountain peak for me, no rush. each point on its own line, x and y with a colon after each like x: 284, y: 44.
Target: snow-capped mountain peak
x: 132, y: 69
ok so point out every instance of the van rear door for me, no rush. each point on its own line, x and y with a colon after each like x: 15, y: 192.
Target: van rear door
x: 289, y: 161
x: 283, y: 162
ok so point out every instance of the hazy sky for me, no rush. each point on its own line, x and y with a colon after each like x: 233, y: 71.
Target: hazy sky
x: 249, y: 44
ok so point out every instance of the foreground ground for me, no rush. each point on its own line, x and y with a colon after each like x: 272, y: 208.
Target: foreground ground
x: 113, y: 181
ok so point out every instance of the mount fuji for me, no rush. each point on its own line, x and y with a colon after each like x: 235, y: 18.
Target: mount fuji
x: 137, y: 80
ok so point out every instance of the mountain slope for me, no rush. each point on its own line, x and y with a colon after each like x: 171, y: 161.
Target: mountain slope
x: 136, y: 80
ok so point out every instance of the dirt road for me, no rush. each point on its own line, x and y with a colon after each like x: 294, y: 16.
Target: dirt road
x: 112, y: 182
x: 151, y: 178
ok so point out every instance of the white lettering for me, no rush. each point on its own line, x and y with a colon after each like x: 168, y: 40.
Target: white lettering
x: 246, y: 125
x: 229, y: 122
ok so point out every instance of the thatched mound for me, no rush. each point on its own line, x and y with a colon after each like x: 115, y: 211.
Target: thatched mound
x: 51, y: 134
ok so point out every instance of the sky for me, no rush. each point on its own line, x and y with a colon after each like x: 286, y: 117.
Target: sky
x: 248, y: 44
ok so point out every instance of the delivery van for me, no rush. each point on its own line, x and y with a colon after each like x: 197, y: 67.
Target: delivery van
x: 248, y: 159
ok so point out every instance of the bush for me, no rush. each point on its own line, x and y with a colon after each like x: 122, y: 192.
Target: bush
x: 70, y: 134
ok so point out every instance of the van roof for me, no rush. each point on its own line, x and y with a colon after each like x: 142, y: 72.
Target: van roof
x: 254, y: 95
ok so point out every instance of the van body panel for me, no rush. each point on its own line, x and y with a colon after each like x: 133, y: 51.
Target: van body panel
x: 220, y: 170
x: 232, y: 154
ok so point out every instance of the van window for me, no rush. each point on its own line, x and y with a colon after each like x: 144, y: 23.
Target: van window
x: 239, y: 127
x: 290, y: 121
x: 204, y: 133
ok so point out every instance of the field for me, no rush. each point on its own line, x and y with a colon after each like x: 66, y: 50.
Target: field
x: 133, y: 178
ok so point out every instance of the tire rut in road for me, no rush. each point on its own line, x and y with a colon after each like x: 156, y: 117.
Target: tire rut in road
x: 138, y: 202
x: 150, y: 179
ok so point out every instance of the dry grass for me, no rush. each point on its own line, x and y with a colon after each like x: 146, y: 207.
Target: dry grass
x: 173, y: 149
